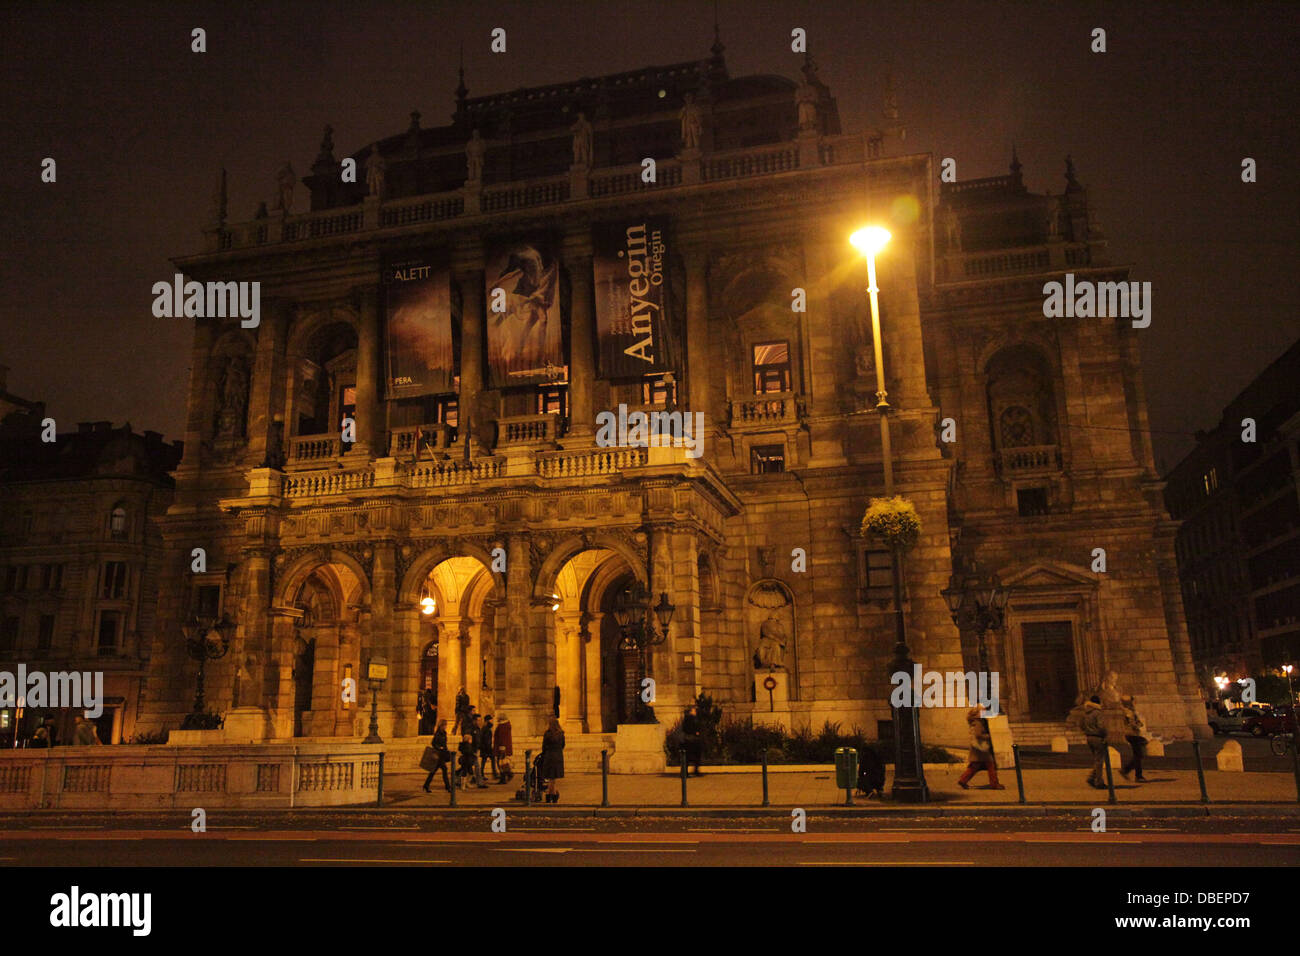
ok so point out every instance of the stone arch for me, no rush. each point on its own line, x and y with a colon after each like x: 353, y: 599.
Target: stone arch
x: 319, y: 337
x: 422, y: 565
x: 1022, y: 397
x: 298, y: 571
x: 545, y: 576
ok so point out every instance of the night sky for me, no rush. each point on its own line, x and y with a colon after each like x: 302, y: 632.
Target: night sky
x: 139, y: 126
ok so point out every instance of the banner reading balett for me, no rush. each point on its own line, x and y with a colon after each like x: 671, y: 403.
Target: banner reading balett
x: 421, y: 352
x: 632, y: 300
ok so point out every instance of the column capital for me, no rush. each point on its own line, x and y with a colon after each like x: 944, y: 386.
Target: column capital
x: 576, y: 245
x: 467, y: 255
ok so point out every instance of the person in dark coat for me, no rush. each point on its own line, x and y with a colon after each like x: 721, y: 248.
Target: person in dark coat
x: 462, y: 710
x: 691, y: 742
x: 465, y: 770
x: 1135, y: 732
x: 473, y: 728
x: 552, y: 759
x: 40, y: 739
x: 427, y: 708
x: 1094, y: 732
x: 504, y: 744
x: 439, y: 743
x: 487, y: 749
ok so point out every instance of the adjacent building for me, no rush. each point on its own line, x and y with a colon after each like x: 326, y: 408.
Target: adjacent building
x: 1237, y: 496
x: 79, y: 561
x: 426, y: 452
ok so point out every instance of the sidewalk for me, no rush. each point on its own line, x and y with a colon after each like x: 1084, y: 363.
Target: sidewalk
x: 817, y: 789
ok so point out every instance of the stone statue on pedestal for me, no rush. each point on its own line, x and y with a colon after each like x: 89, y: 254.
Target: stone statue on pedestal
x: 475, y: 150
x: 375, y: 168
x: 284, y: 181
x: 234, y: 399
x: 692, y: 123
x: 582, y: 141
x: 772, y: 639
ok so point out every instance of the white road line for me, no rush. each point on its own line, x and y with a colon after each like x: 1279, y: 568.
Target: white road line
x: 327, y: 859
x: 533, y: 849
x: 889, y: 863
x: 734, y: 830
x: 552, y: 829
x: 373, y: 828
x: 631, y: 849
x: 926, y: 829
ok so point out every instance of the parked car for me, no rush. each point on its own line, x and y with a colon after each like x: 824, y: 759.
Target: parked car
x: 1280, y: 720
x: 1233, y: 721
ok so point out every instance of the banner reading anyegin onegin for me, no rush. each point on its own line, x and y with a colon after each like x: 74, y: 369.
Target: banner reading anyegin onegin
x: 632, y: 297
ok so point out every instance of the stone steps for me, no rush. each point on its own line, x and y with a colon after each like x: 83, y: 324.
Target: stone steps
x: 1040, y: 733
x: 581, y: 752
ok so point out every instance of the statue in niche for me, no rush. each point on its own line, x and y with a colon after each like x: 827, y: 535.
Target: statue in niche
x: 475, y: 151
x: 772, y: 606
x: 952, y: 228
x: 692, y: 123
x: 582, y: 141
x: 806, y: 98
x: 234, y: 399
x: 375, y: 167
x: 284, y: 181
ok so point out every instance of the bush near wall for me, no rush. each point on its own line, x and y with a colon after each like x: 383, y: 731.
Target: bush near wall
x: 741, y: 742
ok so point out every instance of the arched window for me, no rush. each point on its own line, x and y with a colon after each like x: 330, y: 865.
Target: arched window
x: 117, y: 522
x: 1017, y: 427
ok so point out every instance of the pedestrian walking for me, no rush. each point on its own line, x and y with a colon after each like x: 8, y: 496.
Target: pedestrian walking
x: 426, y: 707
x: 487, y: 749
x: 441, y: 755
x: 1095, y: 732
x: 552, y: 759
x: 84, y: 735
x: 474, y: 729
x: 51, y: 732
x: 504, y: 745
x: 691, y: 741
x: 981, y: 750
x: 465, y: 770
x: 40, y: 739
x: 462, y: 710
x: 1135, y: 732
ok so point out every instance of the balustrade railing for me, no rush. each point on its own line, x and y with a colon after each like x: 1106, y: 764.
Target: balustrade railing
x: 318, y: 483
x: 759, y: 161
x: 583, y: 464
x: 1029, y: 458
x: 524, y: 429
x: 412, y: 441
x: 779, y: 408
x: 444, y: 474
x: 314, y: 447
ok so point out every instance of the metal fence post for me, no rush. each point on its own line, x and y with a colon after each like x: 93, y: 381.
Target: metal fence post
x: 1200, y: 771
x: 455, y: 784
x: 1020, y: 777
x: 1295, y: 761
x: 529, y: 778
x: 604, y: 778
x: 766, y: 802
x: 379, y: 798
x: 681, y: 753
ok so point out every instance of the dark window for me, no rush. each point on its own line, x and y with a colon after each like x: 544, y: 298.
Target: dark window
x: 108, y: 631
x: 45, y: 636
x: 656, y: 389
x: 11, y: 578
x: 8, y: 635
x: 207, y: 601
x: 47, y: 576
x: 552, y: 400
x: 117, y: 522
x: 114, y: 580
x: 56, y: 579
x: 765, y: 459
x: 771, y: 367
x: 21, y: 583
x: 1032, y: 501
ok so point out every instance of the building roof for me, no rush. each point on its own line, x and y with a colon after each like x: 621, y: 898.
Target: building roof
x: 95, y: 450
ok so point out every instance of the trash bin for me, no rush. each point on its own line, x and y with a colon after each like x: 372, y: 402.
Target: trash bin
x: 846, y: 768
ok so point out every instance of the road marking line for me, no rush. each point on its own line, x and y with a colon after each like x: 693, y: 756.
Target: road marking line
x: 888, y: 863
x: 532, y: 849
x: 327, y: 859
x: 363, y: 828
x: 638, y: 849
x: 552, y: 829
x: 925, y: 829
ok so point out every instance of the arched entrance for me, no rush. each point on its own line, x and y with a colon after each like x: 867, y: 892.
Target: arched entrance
x: 428, y: 687
x: 457, y: 607
x: 326, y: 646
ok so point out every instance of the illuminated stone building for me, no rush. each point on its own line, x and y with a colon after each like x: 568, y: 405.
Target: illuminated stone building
x: 415, y: 424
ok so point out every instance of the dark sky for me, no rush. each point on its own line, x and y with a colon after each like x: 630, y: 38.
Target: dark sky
x: 139, y: 126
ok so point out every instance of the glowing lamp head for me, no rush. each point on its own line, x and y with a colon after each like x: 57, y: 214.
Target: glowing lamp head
x: 556, y: 599
x: 870, y: 240
x: 1286, y: 668
x: 427, y: 605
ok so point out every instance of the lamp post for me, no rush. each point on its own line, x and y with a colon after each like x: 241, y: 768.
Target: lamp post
x: 633, y: 614
x: 909, y: 776
x: 376, y: 674
x: 979, y: 604
x: 1286, y: 669
x: 206, y: 639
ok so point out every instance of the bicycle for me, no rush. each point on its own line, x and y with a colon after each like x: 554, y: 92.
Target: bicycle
x: 1281, y: 743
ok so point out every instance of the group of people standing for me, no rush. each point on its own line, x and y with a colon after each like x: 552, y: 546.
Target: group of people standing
x: 83, y: 734
x: 1134, y: 730
x: 482, y: 744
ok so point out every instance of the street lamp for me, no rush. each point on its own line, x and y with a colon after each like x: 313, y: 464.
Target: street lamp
x: 977, y: 603
x: 376, y: 674
x: 1286, y: 669
x: 632, y: 613
x: 206, y: 639
x: 909, y: 776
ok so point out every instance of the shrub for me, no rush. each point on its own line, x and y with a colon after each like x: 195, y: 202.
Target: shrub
x: 894, y: 521
x: 204, y: 721
x: 156, y: 737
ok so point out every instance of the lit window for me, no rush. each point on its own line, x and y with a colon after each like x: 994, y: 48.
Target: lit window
x: 767, y: 459
x: 658, y: 389
x: 551, y: 400
x: 771, y: 367
x: 117, y: 522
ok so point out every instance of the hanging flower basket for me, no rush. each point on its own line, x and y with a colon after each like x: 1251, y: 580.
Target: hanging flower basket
x: 894, y: 521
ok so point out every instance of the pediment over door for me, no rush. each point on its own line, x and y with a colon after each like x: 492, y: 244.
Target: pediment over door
x: 1049, y: 577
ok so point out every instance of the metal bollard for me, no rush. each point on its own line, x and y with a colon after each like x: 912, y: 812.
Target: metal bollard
x: 604, y: 778
x: 682, y: 756
x: 766, y: 802
x: 528, y: 780
x: 1200, y: 771
x: 379, y: 798
x: 1110, y: 776
x: 1020, y: 777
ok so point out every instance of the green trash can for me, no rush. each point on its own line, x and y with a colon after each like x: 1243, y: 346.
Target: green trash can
x: 846, y: 768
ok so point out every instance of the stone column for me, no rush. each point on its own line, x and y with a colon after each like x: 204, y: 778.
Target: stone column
x: 396, y: 699
x: 371, y: 438
x: 279, y: 675
x: 194, y: 423
x: 592, y: 676
x: 266, y: 395
x: 662, y: 665
x: 582, y: 331
x: 697, y: 397
x: 471, y: 353
x: 519, y: 693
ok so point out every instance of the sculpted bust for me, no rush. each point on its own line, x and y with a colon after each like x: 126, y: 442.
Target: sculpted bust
x: 772, y: 638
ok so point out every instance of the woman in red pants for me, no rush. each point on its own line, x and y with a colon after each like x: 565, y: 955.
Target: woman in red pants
x: 981, y: 751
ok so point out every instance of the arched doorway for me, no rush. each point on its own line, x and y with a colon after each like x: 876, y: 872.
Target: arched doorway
x: 428, y: 687
x: 304, y: 667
